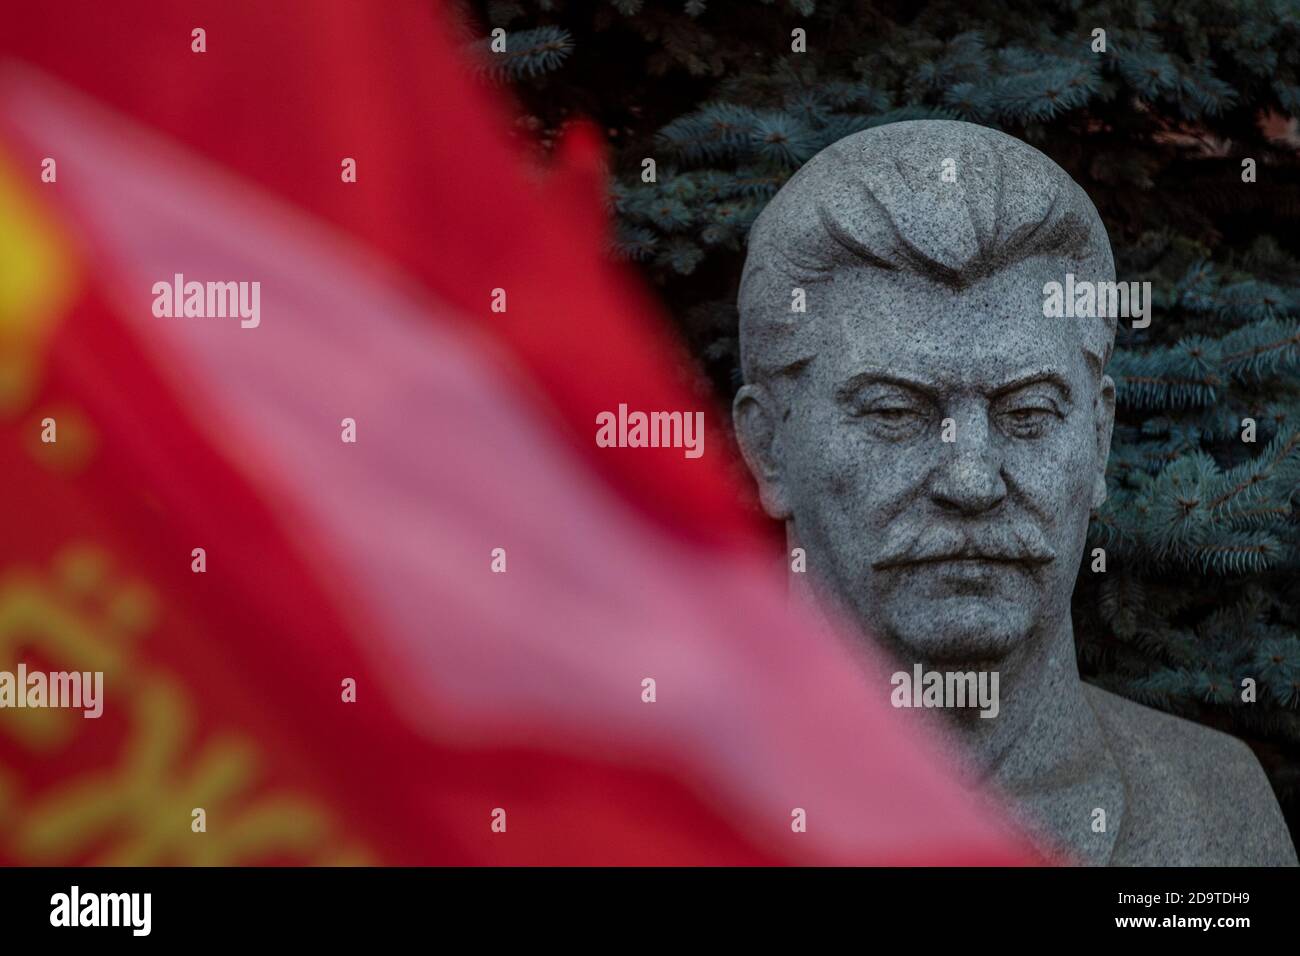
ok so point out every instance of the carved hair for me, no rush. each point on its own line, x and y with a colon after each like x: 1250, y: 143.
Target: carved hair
x: 1009, y: 203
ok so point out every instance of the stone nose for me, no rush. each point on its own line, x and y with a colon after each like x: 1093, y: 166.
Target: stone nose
x: 968, y: 478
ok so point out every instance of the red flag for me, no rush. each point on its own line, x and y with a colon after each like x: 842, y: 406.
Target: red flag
x: 430, y: 644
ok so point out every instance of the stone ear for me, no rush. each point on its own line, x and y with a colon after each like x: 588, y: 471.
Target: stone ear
x: 755, y: 418
x: 1105, y: 412
x: 1098, y: 493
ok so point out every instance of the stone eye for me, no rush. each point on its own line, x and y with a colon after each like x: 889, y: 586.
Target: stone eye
x: 1027, y: 421
x: 888, y: 413
x: 892, y: 421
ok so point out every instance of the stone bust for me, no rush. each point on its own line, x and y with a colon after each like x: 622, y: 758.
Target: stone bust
x: 935, y: 445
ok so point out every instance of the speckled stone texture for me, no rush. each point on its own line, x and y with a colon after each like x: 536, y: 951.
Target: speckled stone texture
x: 936, y: 446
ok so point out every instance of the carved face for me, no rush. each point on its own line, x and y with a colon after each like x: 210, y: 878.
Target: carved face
x: 949, y: 550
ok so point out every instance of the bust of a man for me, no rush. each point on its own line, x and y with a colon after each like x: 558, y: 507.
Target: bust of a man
x: 935, y: 445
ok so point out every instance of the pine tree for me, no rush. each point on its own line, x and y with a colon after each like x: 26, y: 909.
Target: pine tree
x: 1165, y: 119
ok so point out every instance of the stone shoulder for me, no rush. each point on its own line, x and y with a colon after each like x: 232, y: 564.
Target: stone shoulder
x: 1176, y: 766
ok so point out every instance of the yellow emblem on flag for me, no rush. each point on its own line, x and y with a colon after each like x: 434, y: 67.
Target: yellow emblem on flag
x: 138, y: 810
x: 37, y: 282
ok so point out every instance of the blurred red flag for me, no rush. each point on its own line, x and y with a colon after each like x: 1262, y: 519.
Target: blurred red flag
x: 482, y: 698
